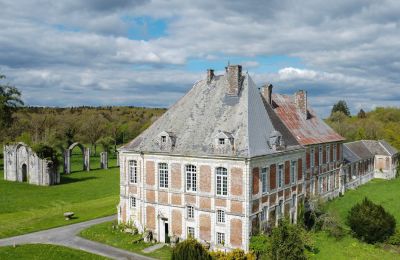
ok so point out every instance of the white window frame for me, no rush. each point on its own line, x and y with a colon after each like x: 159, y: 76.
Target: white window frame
x: 320, y: 155
x: 334, y: 152
x: 221, y: 141
x: 220, y: 238
x: 264, y: 214
x: 190, y: 232
x: 132, y: 202
x: 132, y: 171
x: 221, y: 217
x: 264, y: 179
x: 293, y: 170
x: 328, y: 153
x: 294, y: 200
x: 191, y: 177
x: 281, y: 172
x: 280, y: 210
x: 312, y: 157
x: 189, y: 212
x: 163, y: 172
x: 221, y: 181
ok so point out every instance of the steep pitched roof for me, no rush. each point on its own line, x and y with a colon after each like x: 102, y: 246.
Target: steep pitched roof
x: 310, y: 130
x: 365, y: 149
x: 197, y: 118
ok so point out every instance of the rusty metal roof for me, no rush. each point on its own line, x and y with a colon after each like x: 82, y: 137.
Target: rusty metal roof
x: 307, y: 130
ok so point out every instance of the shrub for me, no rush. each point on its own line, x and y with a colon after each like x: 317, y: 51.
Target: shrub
x: 287, y: 242
x: 260, y: 245
x: 330, y: 224
x: 236, y: 254
x: 394, y: 239
x: 45, y: 151
x: 190, y: 249
x: 370, y: 222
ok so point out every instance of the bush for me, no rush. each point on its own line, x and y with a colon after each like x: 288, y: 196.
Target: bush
x: 330, y: 224
x: 236, y: 254
x: 370, y: 222
x: 45, y: 151
x: 394, y: 239
x: 190, y: 249
x: 287, y: 242
x: 260, y: 245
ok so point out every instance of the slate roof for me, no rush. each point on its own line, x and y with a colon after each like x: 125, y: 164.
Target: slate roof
x: 365, y: 149
x: 310, y: 130
x: 197, y: 118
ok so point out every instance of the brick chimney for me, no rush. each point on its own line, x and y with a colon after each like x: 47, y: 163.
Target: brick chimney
x: 266, y: 92
x: 234, y: 77
x: 210, y: 75
x: 300, y: 99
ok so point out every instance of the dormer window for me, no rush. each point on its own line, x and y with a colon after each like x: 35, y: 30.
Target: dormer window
x: 221, y: 141
x: 166, y: 141
x: 163, y: 139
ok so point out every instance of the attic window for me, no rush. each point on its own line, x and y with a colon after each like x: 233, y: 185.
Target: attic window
x: 221, y: 141
x: 163, y: 139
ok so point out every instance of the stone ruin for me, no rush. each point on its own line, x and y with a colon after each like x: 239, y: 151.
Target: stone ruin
x: 104, y: 160
x: 85, y: 156
x: 22, y: 164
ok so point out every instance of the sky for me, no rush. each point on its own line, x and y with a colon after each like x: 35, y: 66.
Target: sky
x: 150, y: 53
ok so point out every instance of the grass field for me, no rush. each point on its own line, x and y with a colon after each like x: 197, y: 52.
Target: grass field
x: 382, y: 192
x: 104, y: 233
x: 45, y: 252
x: 26, y: 208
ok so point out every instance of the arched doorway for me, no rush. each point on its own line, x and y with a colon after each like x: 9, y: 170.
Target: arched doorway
x: 24, y: 172
x: 69, y: 158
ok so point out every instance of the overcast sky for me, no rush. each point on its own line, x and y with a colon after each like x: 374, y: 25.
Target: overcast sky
x: 149, y: 53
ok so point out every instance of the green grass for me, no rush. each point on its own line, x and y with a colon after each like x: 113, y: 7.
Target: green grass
x: 104, y: 233
x: 26, y: 208
x: 45, y: 252
x: 383, y: 192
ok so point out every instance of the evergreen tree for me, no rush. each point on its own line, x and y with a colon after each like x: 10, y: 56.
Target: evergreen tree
x: 362, y: 114
x: 10, y: 99
x: 342, y: 107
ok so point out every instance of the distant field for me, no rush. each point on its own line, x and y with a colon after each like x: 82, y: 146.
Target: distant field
x: 386, y: 193
x: 26, y: 208
x: 45, y: 252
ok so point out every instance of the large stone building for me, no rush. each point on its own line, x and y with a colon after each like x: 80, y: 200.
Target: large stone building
x: 323, y: 145
x: 218, y: 165
x: 23, y: 165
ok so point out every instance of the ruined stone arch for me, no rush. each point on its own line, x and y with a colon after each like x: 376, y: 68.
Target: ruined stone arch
x: 85, y: 157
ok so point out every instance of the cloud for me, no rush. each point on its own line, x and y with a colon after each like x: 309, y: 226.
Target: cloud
x: 347, y: 49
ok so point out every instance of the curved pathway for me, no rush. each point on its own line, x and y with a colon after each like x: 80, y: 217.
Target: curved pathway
x: 68, y: 236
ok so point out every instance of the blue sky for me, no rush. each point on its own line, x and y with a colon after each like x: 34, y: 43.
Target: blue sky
x: 149, y: 53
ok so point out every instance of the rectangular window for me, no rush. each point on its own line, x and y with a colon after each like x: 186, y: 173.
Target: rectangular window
x: 280, y: 209
x: 328, y: 153
x: 334, y: 152
x: 293, y: 169
x: 163, y: 139
x: 294, y: 198
x: 221, y: 141
x: 220, y: 216
x: 264, y: 179
x: 320, y: 155
x: 191, y: 178
x: 222, y: 181
x: 190, y: 212
x: 220, y: 238
x: 312, y: 157
x: 190, y: 232
x: 163, y: 175
x: 132, y: 202
x: 280, y: 175
x: 264, y: 213
x: 132, y: 170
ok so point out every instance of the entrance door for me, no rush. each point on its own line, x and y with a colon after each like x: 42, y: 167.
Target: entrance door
x: 164, y: 228
x: 24, y: 173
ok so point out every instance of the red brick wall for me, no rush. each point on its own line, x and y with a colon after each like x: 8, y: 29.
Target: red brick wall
x: 287, y: 172
x: 308, y: 158
x: 236, y: 181
x: 323, y: 154
x: 205, y: 178
x: 205, y: 227
x: 338, y: 151
x: 176, y: 222
x: 331, y: 155
x: 299, y: 169
x: 151, y: 217
x: 176, y: 176
x: 256, y: 180
x: 272, y: 177
x: 316, y: 157
x: 236, y: 232
x: 150, y: 178
x: 236, y: 207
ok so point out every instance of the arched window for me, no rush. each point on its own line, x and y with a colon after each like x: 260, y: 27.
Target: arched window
x: 191, y: 178
x: 222, y: 181
x: 132, y: 171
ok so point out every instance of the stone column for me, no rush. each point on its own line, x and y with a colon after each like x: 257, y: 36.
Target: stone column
x: 67, y: 161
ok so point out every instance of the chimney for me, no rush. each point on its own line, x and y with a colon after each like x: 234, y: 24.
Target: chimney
x: 234, y: 76
x: 266, y: 92
x: 300, y: 99
x: 210, y: 75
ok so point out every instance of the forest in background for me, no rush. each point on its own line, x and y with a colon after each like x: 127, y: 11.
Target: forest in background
x: 380, y: 123
x: 102, y: 128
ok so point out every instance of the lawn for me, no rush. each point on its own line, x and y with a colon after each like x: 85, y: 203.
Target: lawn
x: 104, y: 233
x: 26, y: 208
x: 383, y: 192
x: 45, y: 252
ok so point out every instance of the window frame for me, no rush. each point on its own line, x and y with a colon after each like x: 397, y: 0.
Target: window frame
x: 163, y: 176
x: 221, y: 141
x: 132, y: 202
x: 191, y: 178
x: 320, y: 154
x: 328, y: 153
x: 132, y: 171
x: 221, y: 178
x: 221, y: 216
x: 312, y: 157
x: 189, y: 212
x: 189, y: 232
x: 220, y: 238
x: 293, y: 171
x: 264, y: 179
x: 264, y: 214
x: 335, y: 152
x: 280, y: 175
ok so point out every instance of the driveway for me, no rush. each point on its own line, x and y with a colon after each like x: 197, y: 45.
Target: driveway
x: 68, y: 236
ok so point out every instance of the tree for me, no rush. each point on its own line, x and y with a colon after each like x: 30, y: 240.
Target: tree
x: 190, y: 249
x: 362, y: 114
x: 287, y: 242
x: 370, y: 222
x: 10, y: 99
x: 342, y: 107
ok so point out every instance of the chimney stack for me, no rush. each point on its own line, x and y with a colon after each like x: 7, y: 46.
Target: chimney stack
x: 266, y: 92
x: 210, y: 75
x: 234, y: 77
x: 300, y: 98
